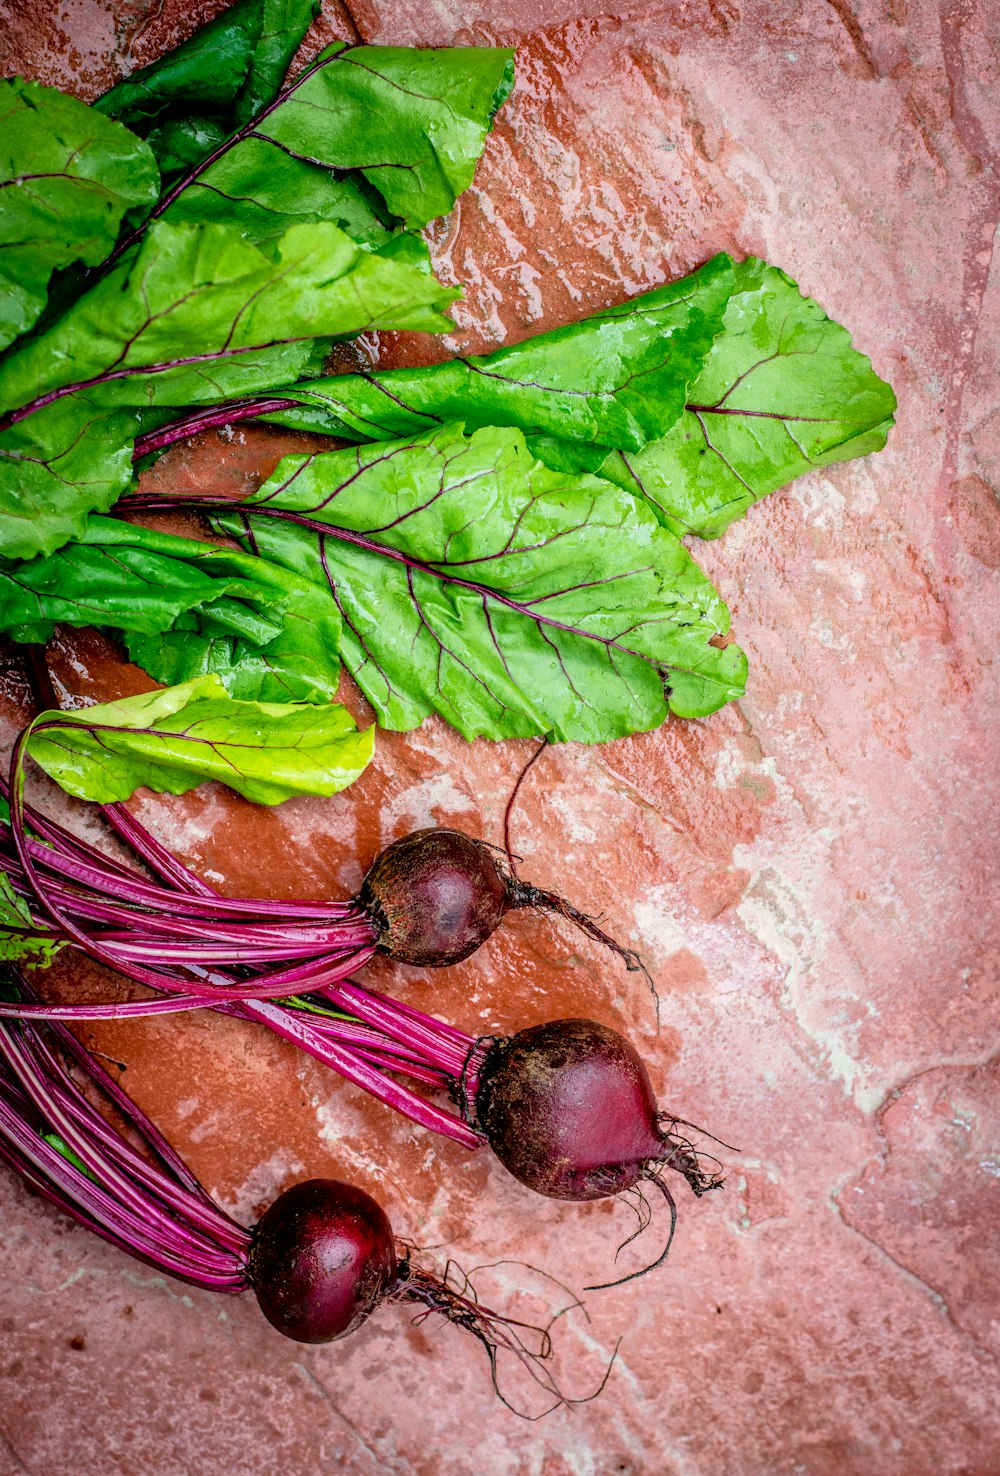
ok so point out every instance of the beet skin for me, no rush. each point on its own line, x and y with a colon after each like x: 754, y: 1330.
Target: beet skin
x: 569, y: 1110
x: 321, y: 1260
x: 435, y: 896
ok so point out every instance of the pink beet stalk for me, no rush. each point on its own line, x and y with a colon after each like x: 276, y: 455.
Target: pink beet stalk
x: 321, y: 1259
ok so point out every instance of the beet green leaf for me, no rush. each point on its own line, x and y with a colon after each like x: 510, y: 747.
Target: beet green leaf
x: 413, y: 122
x: 21, y: 940
x: 184, y: 608
x: 617, y: 379
x: 477, y: 583
x: 782, y: 392
x: 57, y: 464
x: 221, y: 75
x: 764, y: 390
x: 175, y: 739
x: 198, y: 316
x: 188, y: 102
x: 67, y: 177
x: 367, y: 137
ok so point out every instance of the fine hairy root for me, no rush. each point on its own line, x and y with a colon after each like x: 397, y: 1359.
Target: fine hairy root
x: 453, y: 1297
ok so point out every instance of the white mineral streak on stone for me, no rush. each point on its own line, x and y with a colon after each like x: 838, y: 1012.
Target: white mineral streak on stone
x: 421, y: 804
x: 822, y: 502
x: 823, y: 631
x: 262, y: 1186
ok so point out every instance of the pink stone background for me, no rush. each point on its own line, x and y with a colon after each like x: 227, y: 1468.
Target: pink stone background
x: 808, y: 872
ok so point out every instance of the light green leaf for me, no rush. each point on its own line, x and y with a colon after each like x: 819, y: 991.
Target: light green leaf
x: 175, y: 739
x: 21, y: 940
x: 67, y: 177
x: 616, y: 379
x: 479, y: 584
x: 782, y: 392
x: 262, y: 191
x: 763, y: 389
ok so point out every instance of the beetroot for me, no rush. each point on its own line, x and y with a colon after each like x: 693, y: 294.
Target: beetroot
x: 435, y: 896
x: 568, y: 1109
x: 321, y: 1260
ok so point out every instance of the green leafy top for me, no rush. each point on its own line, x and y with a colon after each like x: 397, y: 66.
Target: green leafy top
x: 67, y: 177
x: 175, y: 739
x: 616, y: 379
x: 781, y: 392
x: 475, y: 582
x: 412, y: 122
x: 22, y: 940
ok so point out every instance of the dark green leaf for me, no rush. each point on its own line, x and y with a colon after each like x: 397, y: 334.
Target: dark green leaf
x: 181, y: 143
x: 185, y: 609
x: 205, y: 72
x: 477, y: 583
x: 67, y: 177
x: 617, y: 379
x: 283, y: 25
x: 782, y: 392
x: 177, y: 738
x: 190, y: 100
x: 55, y: 466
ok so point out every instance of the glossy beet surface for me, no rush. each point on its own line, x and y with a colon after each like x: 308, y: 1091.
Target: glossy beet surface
x: 569, y: 1110
x: 435, y: 896
x: 322, y: 1259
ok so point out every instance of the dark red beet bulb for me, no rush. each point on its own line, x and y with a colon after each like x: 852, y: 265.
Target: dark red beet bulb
x: 435, y: 896
x: 321, y: 1260
x: 568, y: 1109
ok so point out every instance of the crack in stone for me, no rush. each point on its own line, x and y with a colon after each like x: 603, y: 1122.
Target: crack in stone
x: 892, y: 1096
x: 324, y: 1393
x: 918, y: 1281
x: 18, y: 1462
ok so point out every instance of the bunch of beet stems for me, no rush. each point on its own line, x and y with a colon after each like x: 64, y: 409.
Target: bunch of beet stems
x: 163, y: 934
x: 135, y: 1192
x: 119, y: 1176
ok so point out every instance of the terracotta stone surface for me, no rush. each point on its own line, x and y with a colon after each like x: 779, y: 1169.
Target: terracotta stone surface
x: 807, y: 872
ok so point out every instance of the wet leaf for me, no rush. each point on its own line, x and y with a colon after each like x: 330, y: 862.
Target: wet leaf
x: 477, y: 583
x: 175, y: 739
x: 67, y: 177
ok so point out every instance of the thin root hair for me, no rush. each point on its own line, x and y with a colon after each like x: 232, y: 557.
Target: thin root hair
x: 652, y: 1177
x: 452, y: 1296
